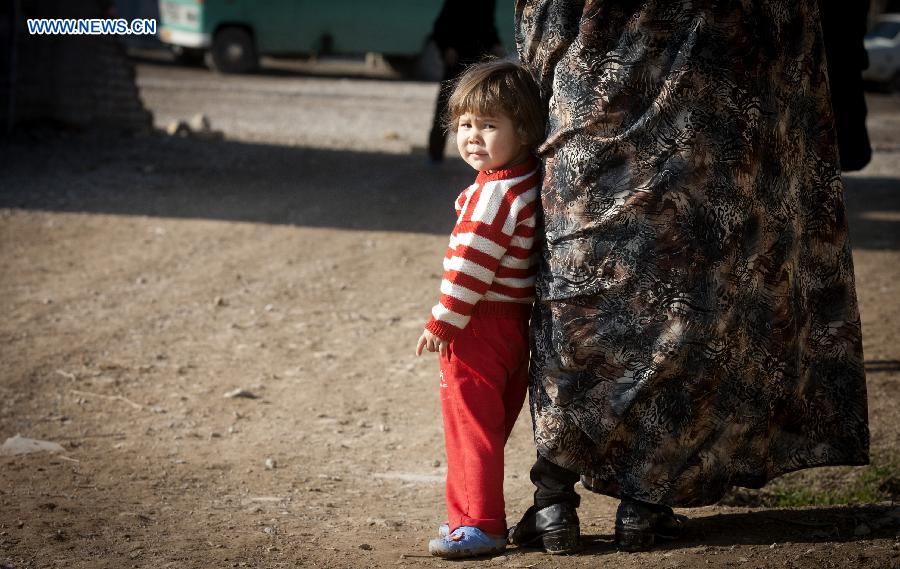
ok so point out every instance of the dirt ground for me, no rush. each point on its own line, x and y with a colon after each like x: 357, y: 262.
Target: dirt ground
x: 144, y: 278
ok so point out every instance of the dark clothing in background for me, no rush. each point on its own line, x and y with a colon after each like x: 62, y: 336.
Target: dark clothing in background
x: 467, y: 27
x: 437, y: 137
x: 696, y: 324
x: 844, y: 27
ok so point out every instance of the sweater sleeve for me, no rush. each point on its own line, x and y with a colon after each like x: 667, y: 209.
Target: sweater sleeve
x: 481, y: 237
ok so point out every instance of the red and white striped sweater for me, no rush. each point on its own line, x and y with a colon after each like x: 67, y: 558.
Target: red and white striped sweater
x: 490, y: 265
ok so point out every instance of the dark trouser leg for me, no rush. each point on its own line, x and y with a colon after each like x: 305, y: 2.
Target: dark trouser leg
x: 553, y: 484
x: 552, y: 522
x: 437, y: 138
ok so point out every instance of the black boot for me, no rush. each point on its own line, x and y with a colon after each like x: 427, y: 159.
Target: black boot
x: 641, y: 524
x: 554, y: 528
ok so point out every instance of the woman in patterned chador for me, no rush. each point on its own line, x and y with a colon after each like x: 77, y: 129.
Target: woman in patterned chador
x: 696, y: 325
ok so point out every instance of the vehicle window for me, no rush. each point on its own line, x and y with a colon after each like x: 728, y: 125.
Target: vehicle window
x: 886, y: 30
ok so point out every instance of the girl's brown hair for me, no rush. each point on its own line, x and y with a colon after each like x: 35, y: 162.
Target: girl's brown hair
x: 499, y: 85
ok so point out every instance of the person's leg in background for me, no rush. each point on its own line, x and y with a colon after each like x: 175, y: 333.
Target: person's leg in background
x: 437, y: 138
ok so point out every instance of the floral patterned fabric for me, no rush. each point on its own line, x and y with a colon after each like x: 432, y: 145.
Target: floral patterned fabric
x: 696, y: 325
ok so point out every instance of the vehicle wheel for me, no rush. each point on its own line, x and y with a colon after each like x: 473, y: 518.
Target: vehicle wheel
x: 233, y: 51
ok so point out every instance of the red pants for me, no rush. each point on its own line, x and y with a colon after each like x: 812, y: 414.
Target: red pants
x: 484, y: 378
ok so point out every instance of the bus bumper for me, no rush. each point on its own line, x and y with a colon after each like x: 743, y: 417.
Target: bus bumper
x: 185, y: 38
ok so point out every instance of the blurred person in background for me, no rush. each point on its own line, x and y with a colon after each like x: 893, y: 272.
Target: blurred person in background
x: 843, y: 28
x: 464, y: 33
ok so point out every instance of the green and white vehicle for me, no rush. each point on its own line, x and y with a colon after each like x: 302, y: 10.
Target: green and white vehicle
x: 233, y: 34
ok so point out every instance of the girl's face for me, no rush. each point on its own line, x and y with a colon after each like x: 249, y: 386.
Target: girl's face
x: 489, y: 142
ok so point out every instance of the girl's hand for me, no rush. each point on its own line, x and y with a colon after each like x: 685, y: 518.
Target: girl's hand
x: 430, y: 342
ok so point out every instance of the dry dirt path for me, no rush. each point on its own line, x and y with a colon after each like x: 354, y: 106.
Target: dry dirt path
x: 141, y: 279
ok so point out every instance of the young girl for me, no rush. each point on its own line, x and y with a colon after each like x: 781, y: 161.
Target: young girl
x: 480, y: 325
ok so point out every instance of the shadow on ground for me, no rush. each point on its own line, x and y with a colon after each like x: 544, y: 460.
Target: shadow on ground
x: 172, y: 177
x: 263, y: 183
x: 882, y: 366
x: 873, y: 205
x: 765, y: 527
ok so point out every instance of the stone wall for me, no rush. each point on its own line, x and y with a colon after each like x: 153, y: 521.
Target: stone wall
x: 78, y: 81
